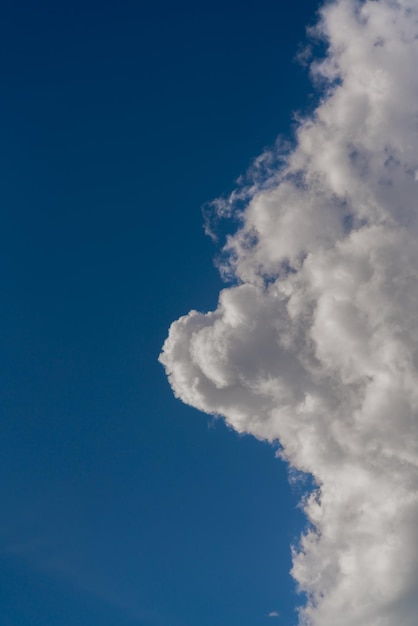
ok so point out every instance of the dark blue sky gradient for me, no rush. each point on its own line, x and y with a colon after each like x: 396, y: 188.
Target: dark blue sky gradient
x: 120, y: 505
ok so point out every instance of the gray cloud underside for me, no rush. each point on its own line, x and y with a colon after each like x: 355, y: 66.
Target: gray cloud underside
x: 317, y: 345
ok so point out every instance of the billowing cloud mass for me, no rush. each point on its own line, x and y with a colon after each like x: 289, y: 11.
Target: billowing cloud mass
x: 316, y: 344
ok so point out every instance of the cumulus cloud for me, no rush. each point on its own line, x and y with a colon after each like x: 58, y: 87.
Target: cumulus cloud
x: 316, y: 343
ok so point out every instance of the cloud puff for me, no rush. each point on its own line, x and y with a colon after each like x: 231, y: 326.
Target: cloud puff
x: 316, y: 345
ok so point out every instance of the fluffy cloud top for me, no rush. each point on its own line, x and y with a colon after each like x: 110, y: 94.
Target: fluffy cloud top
x: 317, y: 344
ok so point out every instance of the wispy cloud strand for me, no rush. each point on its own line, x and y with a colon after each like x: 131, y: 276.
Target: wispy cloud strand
x: 317, y: 344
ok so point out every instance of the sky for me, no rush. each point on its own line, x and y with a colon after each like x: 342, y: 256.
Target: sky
x: 209, y: 265
x: 120, y: 121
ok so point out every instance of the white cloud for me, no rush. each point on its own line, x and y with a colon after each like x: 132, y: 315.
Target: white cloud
x: 273, y: 614
x: 317, y: 345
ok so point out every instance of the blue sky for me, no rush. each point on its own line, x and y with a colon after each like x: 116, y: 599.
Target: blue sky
x: 119, y: 121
